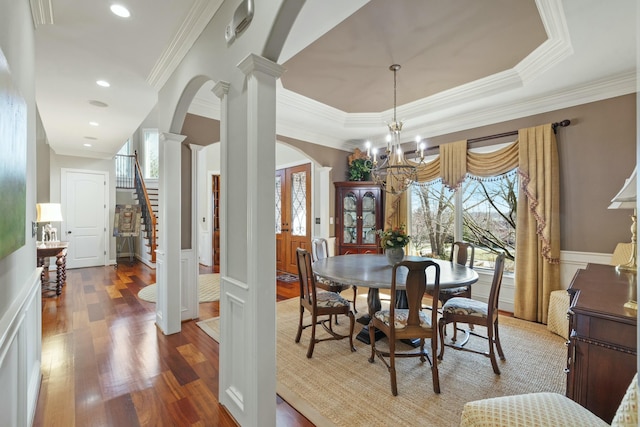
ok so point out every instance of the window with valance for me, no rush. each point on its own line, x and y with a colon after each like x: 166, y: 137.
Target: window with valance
x: 535, y: 157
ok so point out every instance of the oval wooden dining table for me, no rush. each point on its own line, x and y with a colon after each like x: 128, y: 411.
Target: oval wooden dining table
x: 374, y: 272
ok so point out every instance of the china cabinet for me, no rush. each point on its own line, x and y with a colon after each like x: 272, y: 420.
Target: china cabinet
x: 359, y: 213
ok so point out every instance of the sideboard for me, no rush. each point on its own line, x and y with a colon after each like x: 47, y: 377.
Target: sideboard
x: 602, y: 346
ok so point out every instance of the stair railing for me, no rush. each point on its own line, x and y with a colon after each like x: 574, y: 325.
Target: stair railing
x: 146, y: 208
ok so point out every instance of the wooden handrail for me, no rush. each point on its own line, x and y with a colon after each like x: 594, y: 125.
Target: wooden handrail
x: 150, y: 217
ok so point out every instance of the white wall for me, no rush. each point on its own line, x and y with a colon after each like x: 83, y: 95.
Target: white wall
x: 20, y: 301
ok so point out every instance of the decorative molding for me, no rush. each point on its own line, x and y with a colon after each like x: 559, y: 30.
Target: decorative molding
x: 253, y: 63
x: 197, y: 19
x: 41, y: 12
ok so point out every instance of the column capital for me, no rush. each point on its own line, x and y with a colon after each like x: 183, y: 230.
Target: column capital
x: 220, y: 89
x: 197, y: 147
x: 172, y: 137
x: 253, y: 63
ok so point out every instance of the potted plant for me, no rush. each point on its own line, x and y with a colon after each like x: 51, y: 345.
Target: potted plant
x: 358, y: 170
x: 393, y: 242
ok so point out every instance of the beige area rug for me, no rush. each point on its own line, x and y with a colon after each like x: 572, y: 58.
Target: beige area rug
x: 208, y: 289
x: 341, y: 388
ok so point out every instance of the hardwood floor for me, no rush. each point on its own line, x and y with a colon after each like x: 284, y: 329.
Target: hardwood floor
x: 105, y: 363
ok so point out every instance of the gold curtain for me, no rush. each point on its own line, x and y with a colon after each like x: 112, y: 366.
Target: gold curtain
x: 535, y: 154
x: 538, y: 223
x: 453, y: 163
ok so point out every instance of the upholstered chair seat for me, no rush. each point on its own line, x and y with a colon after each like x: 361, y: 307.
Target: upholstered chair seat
x: 466, y: 307
x: 401, y: 318
x: 331, y: 299
x: 545, y: 410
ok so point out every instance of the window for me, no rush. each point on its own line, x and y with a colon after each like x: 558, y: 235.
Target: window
x: 482, y: 211
x: 151, y: 157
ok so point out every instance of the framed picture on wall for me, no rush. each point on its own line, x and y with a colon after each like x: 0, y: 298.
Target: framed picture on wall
x: 13, y: 163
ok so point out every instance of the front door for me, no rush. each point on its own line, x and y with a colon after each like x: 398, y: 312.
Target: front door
x: 293, y: 215
x: 84, y: 210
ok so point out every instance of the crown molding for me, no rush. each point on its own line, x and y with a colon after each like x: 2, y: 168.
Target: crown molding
x: 482, y: 114
x: 197, y: 19
x: 41, y: 12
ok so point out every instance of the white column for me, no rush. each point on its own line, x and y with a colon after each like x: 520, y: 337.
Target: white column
x: 168, y: 278
x: 323, y: 180
x: 247, y: 304
x: 190, y: 256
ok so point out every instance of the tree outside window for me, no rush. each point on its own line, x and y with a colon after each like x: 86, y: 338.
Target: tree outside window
x: 487, y: 218
x: 151, y: 156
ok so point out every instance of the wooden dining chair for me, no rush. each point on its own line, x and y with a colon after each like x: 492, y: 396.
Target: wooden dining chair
x: 461, y: 253
x: 319, y: 303
x: 410, y: 323
x: 467, y: 310
x: 320, y: 250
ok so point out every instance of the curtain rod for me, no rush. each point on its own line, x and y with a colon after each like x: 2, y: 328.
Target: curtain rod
x: 554, y: 126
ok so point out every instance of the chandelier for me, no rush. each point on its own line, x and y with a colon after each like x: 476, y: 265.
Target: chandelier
x: 394, y: 173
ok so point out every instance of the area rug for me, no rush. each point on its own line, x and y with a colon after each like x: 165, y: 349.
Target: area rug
x: 340, y: 388
x: 208, y: 289
x: 286, y: 277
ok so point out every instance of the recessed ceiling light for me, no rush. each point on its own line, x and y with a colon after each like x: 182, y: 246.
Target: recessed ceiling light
x: 120, y: 10
x: 87, y: 145
x: 94, y: 123
x: 103, y: 83
x: 98, y: 103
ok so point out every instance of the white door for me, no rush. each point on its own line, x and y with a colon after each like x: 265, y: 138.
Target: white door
x: 84, y: 210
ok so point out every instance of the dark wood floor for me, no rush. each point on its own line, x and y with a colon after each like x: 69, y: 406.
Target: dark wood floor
x: 105, y: 363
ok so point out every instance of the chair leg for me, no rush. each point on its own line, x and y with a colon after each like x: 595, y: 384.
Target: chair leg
x: 434, y: 365
x: 372, y: 340
x: 441, y: 325
x: 492, y: 354
x: 455, y: 332
x: 352, y: 322
x: 497, y: 341
x: 392, y: 367
x: 299, y: 334
x: 312, y: 342
x: 355, y: 296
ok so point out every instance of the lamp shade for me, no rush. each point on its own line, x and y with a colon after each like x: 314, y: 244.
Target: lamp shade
x: 626, y: 197
x: 49, y: 212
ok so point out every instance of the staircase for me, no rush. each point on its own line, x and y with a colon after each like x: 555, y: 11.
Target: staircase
x: 129, y: 176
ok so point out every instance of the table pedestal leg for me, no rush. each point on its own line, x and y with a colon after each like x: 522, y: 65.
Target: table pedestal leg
x: 373, y: 304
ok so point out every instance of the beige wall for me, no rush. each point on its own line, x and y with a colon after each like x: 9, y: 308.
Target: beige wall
x: 597, y: 153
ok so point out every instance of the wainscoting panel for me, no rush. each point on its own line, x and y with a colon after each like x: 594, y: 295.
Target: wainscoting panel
x: 21, y: 355
x: 233, y: 324
x: 570, y: 262
x: 160, y: 266
x: 189, y: 285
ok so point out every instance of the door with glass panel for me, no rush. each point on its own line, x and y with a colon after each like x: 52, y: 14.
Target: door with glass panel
x: 293, y: 215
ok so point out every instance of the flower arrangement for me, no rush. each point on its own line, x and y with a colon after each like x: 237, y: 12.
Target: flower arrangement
x: 397, y: 237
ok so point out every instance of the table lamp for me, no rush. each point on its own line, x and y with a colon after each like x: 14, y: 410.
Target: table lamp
x: 626, y: 199
x: 49, y: 212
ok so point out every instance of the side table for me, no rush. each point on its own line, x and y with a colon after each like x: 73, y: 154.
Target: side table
x: 50, y: 249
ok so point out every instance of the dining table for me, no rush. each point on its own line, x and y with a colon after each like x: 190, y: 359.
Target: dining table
x: 374, y: 272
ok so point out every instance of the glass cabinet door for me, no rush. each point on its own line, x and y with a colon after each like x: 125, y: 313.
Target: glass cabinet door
x: 369, y: 218
x: 350, y: 221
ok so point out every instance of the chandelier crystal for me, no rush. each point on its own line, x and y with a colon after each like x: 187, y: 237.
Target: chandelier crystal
x: 394, y: 173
